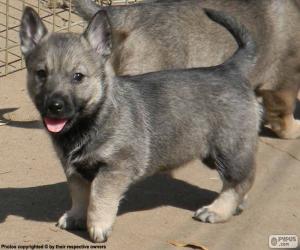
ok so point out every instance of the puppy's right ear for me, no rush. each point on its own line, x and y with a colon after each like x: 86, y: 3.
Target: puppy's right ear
x: 98, y: 34
x: 32, y: 30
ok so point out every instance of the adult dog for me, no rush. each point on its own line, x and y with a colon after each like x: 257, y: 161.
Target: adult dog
x: 175, y: 34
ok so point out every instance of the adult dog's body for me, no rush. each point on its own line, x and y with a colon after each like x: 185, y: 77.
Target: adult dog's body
x: 175, y: 34
x: 110, y: 132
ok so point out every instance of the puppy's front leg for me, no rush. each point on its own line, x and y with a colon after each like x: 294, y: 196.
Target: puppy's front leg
x: 107, y: 190
x: 75, y: 218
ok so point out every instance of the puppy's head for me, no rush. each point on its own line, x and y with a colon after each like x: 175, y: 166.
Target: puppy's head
x: 66, y: 71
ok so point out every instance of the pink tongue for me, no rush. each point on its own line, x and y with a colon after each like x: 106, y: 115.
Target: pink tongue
x: 55, y: 125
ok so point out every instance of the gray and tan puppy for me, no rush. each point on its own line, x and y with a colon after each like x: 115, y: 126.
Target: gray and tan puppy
x: 175, y: 34
x: 110, y: 131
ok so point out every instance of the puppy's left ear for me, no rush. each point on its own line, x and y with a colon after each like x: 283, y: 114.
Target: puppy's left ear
x: 32, y: 30
x: 99, y: 34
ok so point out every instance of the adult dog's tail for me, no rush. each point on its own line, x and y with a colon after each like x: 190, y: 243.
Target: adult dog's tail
x: 245, y: 57
x: 86, y: 8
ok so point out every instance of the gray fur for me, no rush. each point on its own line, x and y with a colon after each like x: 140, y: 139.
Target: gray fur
x: 122, y: 129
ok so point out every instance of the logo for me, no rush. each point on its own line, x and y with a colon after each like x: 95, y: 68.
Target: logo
x: 283, y: 241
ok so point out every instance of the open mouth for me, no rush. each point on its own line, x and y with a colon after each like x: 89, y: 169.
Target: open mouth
x: 55, y: 125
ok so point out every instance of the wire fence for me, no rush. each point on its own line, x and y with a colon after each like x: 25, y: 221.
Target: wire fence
x: 57, y: 15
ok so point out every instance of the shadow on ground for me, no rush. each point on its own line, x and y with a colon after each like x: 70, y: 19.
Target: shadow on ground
x: 162, y: 190
x: 35, y: 124
x: 47, y: 203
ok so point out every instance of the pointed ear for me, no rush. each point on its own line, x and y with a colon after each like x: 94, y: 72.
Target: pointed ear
x: 98, y: 34
x: 32, y: 30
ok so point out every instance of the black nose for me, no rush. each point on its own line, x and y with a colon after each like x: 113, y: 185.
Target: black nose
x: 55, y: 106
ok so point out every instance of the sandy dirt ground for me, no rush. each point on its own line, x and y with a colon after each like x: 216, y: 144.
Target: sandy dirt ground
x: 33, y: 192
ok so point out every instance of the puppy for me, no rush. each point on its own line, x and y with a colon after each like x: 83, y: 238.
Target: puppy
x: 110, y: 131
x: 175, y: 34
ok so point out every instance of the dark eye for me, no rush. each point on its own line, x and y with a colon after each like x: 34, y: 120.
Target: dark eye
x: 78, y: 77
x: 41, y: 74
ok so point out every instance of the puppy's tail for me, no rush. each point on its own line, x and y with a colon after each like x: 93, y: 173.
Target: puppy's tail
x: 245, y: 57
x: 86, y: 8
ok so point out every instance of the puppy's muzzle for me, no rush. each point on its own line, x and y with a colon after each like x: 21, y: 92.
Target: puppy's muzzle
x: 56, y: 106
x: 59, y: 106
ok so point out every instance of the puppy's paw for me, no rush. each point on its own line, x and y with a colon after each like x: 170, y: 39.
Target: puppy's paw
x: 208, y: 214
x: 98, y: 233
x: 71, y: 222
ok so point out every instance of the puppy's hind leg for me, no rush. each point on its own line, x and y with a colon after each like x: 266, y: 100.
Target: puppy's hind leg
x: 75, y: 218
x: 237, y: 174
